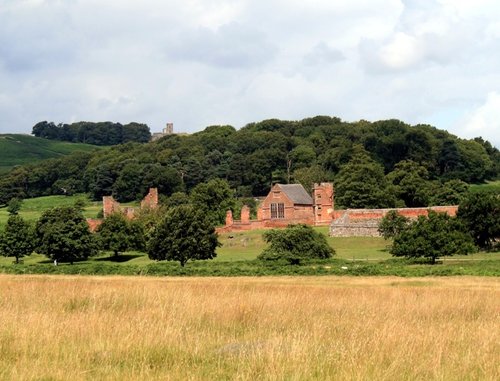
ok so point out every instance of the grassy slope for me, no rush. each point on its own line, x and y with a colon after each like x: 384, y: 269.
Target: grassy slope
x: 31, y: 209
x: 19, y: 149
x: 490, y: 186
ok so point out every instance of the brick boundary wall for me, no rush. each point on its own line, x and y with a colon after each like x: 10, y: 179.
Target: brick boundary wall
x: 364, y: 222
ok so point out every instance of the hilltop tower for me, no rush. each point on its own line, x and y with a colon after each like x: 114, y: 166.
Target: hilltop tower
x: 169, y: 129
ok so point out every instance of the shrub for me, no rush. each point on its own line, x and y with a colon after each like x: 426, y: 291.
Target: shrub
x: 392, y: 224
x: 432, y: 236
x: 295, y: 243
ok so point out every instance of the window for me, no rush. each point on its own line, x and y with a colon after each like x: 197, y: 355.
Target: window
x: 281, y: 210
x: 277, y: 210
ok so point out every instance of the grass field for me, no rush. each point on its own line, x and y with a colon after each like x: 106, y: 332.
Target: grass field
x: 32, y: 208
x: 247, y: 245
x: 20, y: 149
x: 490, y: 186
x: 314, y: 328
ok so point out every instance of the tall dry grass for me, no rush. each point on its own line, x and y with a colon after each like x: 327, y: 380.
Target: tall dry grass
x: 328, y: 328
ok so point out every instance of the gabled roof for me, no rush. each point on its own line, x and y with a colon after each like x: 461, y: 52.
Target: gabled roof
x: 296, y: 193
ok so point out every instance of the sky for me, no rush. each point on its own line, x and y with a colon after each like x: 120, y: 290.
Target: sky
x: 205, y: 62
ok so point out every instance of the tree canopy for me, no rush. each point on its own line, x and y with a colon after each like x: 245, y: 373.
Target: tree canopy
x: 62, y: 234
x: 433, y: 236
x: 17, y: 239
x: 101, y: 133
x: 359, y: 155
x: 213, y: 199
x: 392, y: 224
x: 185, y: 233
x: 118, y: 234
x: 361, y: 183
x: 480, y: 213
x: 295, y: 243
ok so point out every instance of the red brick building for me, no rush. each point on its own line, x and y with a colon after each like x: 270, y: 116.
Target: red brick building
x: 288, y: 204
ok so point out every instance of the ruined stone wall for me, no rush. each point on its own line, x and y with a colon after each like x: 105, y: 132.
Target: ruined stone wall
x: 110, y: 206
x: 94, y: 223
x: 364, y: 222
x: 150, y: 200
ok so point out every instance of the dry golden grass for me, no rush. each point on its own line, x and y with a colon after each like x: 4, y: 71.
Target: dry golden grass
x: 324, y: 328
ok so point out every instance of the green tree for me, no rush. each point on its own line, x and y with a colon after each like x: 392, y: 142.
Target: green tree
x: 410, y: 181
x: 295, y: 243
x: 449, y: 193
x: 177, y: 198
x: 118, y: 234
x: 310, y: 175
x: 185, y: 233
x: 128, y: 185
x: 14, y: 206
x: 392, y: 224
x: 361, y: 183
x: 213, y: 198
x: 17, y: 238
x: 433, y: 236
x: 480, y: 212
x: 62, y: 234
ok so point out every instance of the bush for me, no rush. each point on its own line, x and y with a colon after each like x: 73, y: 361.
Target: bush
x: 392, y: 224
x: 480, y: 213
x: 295, y: 243
x: 434, y: 236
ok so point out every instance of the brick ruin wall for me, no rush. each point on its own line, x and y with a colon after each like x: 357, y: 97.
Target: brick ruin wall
x: 110, y: 206
x: 364, y: 222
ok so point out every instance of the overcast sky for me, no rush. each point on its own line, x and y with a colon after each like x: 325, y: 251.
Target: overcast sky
x: 202, y: 62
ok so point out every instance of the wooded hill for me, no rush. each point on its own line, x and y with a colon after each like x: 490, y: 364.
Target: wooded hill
x: 373, y: 164
x: 100, y: 134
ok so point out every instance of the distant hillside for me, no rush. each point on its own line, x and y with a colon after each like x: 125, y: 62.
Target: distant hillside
x: 381, y: 164
x: 97, y: 133
x: 18, y: 149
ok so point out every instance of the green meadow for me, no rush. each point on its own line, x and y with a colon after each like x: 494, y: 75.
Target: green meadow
x: 20, y: 149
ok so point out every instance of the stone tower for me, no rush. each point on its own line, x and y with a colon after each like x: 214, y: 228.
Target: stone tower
x: 169, y: 129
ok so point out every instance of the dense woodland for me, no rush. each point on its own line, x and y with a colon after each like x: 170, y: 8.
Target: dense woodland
x: 100, y: 134
x: 373, y: 164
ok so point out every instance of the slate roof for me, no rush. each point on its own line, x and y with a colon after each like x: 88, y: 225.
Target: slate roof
x: 296, y: 193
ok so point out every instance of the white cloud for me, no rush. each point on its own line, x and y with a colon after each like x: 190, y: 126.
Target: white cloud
x: 484, y: 120
x: 200, y: 62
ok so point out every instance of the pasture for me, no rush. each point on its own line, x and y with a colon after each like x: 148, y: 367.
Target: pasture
x: 269, y: 328
x: 22, y: 149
